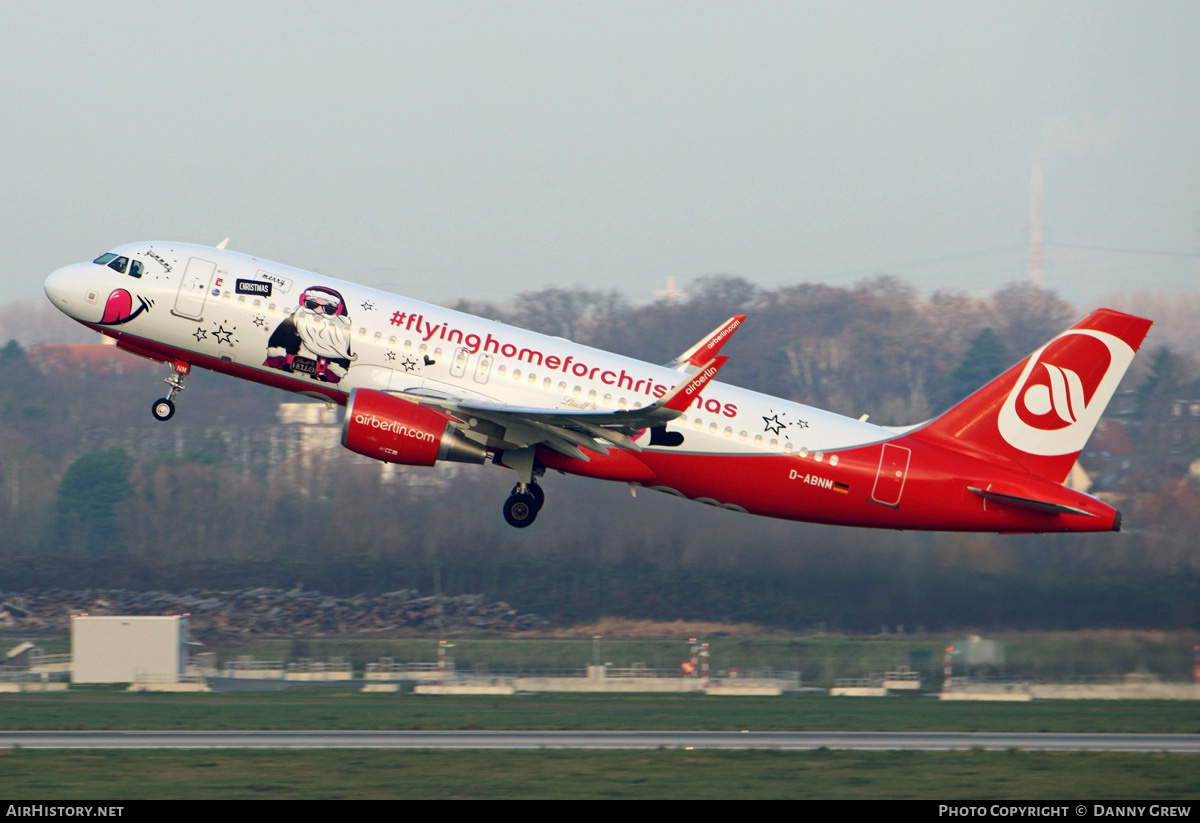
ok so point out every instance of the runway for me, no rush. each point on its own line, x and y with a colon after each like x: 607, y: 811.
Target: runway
x: 792, y: 741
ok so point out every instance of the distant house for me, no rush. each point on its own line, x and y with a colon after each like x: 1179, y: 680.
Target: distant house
x: 1107, y: 456
x: 58, y: 359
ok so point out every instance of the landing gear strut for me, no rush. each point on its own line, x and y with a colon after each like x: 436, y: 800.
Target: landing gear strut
x: 164, y: 407
x: 522, y: 506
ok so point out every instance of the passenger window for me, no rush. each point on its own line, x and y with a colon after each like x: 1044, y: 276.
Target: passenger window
x: 119, y: 264
x: 136, y: 269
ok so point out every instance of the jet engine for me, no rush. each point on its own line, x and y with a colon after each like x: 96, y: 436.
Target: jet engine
x: 387, y: 428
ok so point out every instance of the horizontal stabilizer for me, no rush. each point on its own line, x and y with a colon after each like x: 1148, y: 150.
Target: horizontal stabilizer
x: 1027, y: 503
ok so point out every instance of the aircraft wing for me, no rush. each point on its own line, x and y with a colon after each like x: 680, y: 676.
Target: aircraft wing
x: 569, y: 430
x: 709, y: 346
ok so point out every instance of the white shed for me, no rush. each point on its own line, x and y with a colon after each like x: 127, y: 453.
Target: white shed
x: 128, y: 649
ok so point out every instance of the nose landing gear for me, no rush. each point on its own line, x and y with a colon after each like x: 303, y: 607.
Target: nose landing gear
x: 164, y: 407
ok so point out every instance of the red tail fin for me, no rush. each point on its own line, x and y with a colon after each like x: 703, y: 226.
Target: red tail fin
x: 1041, y: 412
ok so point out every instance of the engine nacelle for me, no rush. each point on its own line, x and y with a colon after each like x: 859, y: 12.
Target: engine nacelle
x: 387, y: 428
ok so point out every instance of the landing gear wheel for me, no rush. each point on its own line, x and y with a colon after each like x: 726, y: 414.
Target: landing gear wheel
x: 533, y: 490
x: 520, y: 510
x: 163, y: 409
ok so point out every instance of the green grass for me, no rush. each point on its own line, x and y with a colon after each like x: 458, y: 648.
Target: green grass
x: 706, y: 774
x: 338, y: 708
x: 341, y: 774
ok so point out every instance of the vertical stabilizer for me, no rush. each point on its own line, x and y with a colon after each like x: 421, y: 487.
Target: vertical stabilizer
x: 1041, y: 412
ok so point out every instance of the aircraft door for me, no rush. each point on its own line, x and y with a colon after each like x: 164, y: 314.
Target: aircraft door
x: 889, y: 479
x: 193, y: 288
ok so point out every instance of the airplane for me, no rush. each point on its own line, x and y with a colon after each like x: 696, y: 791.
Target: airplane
x: 423, y: 384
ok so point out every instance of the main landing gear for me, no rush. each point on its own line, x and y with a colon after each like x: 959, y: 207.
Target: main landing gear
x: 164, y: 407
x: 522, y: 506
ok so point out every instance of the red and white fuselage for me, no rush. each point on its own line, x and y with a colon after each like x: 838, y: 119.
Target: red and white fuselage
x: 423, y: 383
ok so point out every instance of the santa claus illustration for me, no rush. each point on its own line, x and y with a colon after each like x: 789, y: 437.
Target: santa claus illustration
x: 314, y: 339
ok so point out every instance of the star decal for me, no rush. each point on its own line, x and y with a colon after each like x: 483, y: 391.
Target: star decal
x: 802, y: 424
x: 774, y: 424
x: 368, y: 305
x: 409, y: 364
x: 260, y: 321
x: 224, y: 335
x: 200, y: 334
x: 391, y: 355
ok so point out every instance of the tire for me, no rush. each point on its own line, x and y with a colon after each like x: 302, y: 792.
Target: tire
x: 539, y: 496
x: 163, y: 409
x: 520, y: 510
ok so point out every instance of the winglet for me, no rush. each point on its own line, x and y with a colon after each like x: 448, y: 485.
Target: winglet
x: 703, y: 352
x: 683, y: 394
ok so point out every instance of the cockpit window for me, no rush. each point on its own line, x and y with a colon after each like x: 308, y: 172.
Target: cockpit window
x: 119, y: 264
x: 135, y: 270
x: 104, y: 258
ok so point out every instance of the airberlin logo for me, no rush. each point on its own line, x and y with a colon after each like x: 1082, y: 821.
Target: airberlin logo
x: 699, y: 382
x: 1062, y: 391
x: 373, y: 422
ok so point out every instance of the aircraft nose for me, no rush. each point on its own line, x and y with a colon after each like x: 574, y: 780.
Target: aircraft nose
x: 67, y: 288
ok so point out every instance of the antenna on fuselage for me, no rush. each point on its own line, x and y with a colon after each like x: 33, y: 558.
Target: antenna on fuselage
x: 221, y: 245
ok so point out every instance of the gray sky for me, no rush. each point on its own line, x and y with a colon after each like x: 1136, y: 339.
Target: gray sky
x: 454, y: 149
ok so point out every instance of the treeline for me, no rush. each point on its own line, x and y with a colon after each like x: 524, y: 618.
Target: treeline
x: 96, y: 493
